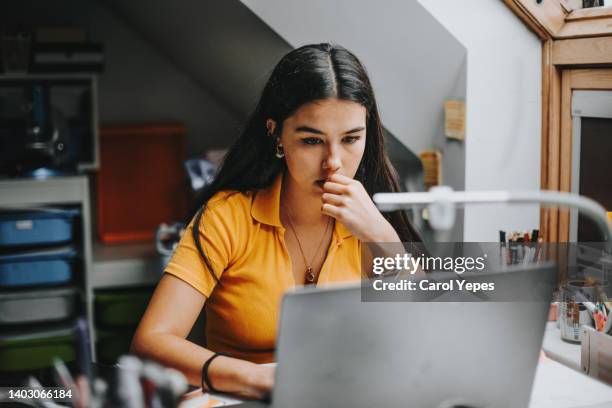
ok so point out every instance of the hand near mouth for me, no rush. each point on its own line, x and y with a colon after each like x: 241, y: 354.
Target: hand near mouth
x: 346, y: 200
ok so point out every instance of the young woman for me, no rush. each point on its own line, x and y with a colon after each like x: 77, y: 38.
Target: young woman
x: 290, y: 206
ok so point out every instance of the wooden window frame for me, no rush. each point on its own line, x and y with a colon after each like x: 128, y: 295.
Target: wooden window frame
x: 576, y: 55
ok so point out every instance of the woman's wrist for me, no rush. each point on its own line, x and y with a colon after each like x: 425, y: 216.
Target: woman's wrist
x: 240, y: 377
x: 385, y: 234
x: 226, y: 374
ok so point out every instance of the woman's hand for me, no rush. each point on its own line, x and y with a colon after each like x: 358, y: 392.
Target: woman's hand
x: 347, y: 201
x: 242, y: 378
x: 260, y: 380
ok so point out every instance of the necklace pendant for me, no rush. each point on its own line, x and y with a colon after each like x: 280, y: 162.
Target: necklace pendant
x: 310, y: 277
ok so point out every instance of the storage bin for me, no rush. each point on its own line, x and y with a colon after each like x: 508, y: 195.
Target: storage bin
x: 51, y: 267
x: 111, y: 344
x: 129, y: 157
x: 47, y: 305
x: 35, y: 348
x: 46, y: 226
x: 120, y: 308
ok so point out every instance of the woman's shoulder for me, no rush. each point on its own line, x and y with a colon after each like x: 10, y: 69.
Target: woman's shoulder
x: 230, y: 203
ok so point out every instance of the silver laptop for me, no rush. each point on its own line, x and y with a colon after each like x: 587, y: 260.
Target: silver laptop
x: 334, y: 350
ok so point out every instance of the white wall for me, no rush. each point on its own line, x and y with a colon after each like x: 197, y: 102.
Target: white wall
x: 503, y: 109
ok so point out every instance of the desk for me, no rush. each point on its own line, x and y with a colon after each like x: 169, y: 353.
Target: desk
x: 558, y: 386
x: 555, y: 386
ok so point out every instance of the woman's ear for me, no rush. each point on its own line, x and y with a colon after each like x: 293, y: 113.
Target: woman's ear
x: 271, y: 126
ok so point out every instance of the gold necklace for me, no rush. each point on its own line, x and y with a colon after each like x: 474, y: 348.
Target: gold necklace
x: 309, y: 276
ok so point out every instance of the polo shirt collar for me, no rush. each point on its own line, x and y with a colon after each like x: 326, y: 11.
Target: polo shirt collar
x: 266, y: 204
x: 266, y: 208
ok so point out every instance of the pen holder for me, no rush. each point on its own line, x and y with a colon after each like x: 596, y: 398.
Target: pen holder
x: 572, y: 313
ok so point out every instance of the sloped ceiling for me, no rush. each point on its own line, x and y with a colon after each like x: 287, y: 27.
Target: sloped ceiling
x: 229, y: 48
x: 220, y: 44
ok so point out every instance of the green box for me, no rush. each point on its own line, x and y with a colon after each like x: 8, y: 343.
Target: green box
x: 35, y: 348
x: 121, y: 307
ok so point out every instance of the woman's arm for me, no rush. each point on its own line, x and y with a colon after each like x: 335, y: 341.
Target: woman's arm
x: 161, y: 336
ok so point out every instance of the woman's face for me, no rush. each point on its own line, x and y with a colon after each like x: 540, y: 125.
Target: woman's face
x: 323, y: 138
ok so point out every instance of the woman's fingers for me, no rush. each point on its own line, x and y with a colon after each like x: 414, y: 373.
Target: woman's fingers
x: 335, y: 199
x: 339, y: 193
x: 332, y: 211
x: 334, y: 188
x: 340, y: 179
x: 338, y: 184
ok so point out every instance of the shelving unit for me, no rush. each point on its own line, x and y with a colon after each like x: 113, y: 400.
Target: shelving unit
x: 111, y: 271
x: 28, y: 193
x: 103, y: 267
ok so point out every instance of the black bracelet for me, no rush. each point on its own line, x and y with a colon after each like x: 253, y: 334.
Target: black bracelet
x: 205, y: 378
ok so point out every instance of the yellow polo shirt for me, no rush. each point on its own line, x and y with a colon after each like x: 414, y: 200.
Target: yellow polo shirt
x: 244, y: 239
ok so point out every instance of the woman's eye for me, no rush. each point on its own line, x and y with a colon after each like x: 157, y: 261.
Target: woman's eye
x: 311, y: 140
x: 350, y: 139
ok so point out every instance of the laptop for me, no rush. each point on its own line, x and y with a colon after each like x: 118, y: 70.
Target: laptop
x: 334, y: 350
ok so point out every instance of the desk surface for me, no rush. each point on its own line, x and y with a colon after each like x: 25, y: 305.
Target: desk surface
x: 558, y: 386
x: 555, y: 386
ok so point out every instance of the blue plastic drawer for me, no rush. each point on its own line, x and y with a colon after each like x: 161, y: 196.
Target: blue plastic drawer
x: 53, y: 267
x: 39, y: 227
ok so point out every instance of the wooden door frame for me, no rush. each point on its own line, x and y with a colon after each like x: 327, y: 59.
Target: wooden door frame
x: 574, y: 80
x: 576, y: 55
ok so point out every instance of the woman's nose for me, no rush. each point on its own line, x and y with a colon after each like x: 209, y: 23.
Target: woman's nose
x: 332, y: 162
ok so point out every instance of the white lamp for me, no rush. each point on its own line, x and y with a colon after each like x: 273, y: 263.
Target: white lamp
x: 441, y: 202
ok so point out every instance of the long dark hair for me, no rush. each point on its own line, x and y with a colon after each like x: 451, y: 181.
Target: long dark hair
x: 306, y: 74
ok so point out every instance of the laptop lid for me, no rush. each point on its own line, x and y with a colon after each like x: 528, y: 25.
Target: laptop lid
x: 335, y: 350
